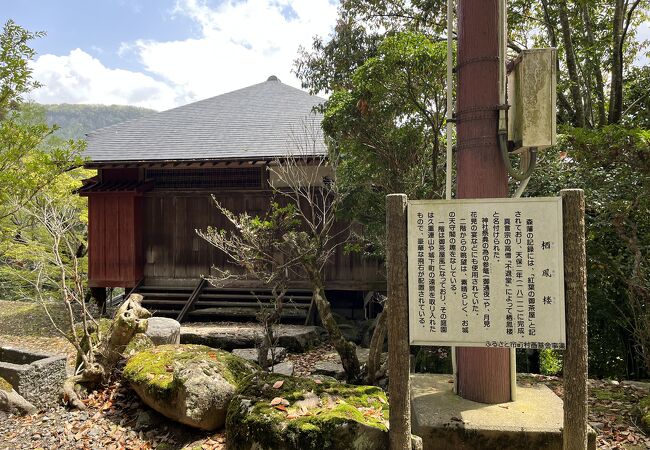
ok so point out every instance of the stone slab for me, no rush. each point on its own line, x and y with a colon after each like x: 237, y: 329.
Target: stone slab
x: 251, y: 354
x: 284, y: 368
x: 447, y: 422
x: 229, y: 336
x: 329, y: 368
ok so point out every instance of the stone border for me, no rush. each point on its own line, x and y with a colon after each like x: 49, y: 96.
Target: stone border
x: 38, y: 377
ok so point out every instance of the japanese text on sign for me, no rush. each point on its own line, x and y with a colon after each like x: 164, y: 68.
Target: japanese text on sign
x: 486, y: 272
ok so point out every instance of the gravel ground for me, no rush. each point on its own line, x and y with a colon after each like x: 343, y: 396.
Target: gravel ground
x: 116, y: 419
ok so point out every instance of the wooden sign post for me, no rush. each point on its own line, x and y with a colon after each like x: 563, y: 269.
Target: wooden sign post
x: 572, y: 292
x: 575, y: 357
x: 399, y: 389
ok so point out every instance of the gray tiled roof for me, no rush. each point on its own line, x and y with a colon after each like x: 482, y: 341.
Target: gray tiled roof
x: 254, y: 122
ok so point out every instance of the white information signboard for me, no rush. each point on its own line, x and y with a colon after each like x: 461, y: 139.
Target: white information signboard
x: 486, y: 273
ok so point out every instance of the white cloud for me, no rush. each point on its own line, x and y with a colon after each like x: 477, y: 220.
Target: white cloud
x: 81, y: 78
x: 241, y: 42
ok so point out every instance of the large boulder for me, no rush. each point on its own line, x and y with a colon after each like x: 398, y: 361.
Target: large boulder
x: 12, y: 402
x: 163, y: 330
x: 276, y: 412
x: 191, y: 384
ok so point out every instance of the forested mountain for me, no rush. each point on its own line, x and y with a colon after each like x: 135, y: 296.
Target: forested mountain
x: 77, y: 120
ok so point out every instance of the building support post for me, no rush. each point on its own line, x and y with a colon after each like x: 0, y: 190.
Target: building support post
x: 483, y: 374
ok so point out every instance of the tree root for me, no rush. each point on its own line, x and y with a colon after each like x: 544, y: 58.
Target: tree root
x: 70, y: 394
x: 92, y: 375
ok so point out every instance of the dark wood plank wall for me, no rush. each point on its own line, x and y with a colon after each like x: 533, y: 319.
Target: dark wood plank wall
x: 114, y: 240
x: 173, y: 250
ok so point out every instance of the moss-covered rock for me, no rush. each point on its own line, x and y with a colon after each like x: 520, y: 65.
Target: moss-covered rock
x: 277, y: 412
x: 191, y: 384
x: 5, y: 385
x: 139, y: 343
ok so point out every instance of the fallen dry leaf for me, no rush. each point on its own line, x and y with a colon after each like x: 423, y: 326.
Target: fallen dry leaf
x: 278, y: 384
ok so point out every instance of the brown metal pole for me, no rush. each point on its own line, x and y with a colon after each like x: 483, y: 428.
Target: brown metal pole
x: 483, y: 374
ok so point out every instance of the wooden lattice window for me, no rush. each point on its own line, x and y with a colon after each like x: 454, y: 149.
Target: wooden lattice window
x: 235, y: 178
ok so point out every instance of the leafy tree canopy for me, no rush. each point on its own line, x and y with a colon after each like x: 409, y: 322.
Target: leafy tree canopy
x: 27, y: 161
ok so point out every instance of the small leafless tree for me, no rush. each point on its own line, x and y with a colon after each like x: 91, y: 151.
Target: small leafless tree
x: 307, y: 180
x: 61, y: 267
x: 256, y: 245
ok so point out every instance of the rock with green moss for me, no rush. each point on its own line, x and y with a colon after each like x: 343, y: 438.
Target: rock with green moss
x: 191, y: 384
x: 277, y: 412
x: 13, y: 403
x: 139, y: 343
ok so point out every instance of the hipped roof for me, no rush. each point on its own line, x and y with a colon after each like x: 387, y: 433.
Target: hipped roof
x: 262, y: 121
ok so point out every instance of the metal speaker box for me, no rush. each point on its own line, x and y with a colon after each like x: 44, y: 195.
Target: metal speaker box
x: 532, y: 98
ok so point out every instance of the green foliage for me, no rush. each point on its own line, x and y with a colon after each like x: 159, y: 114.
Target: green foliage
x: 637, y: 98
x: 37, y: 171
x: 612, y: 165
x: 550, y: 361
x: 380, y: 69
x: 386, y: 128
x: 15, y: 71
x: 433, y: 360
x: 644, y: 412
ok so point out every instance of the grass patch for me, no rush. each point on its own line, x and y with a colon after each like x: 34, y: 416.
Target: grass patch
x: 30, y: 319
x: 608, y: 395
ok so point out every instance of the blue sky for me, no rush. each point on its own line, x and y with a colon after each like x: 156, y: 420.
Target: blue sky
x: 99, y: 27
x: 164, y: 53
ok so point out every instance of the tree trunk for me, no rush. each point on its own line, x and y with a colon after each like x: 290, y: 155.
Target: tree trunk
x: 594, y: 66
x: 377, y: 344
x: 616, y: 88
x: 552, y: 37
x: 346, y: 350
x: 269, y: 320
x: 572, y: 66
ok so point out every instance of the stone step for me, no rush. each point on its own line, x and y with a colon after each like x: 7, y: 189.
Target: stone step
x: 229, y: 336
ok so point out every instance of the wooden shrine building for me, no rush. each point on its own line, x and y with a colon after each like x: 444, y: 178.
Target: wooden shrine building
x: 155, y: 177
